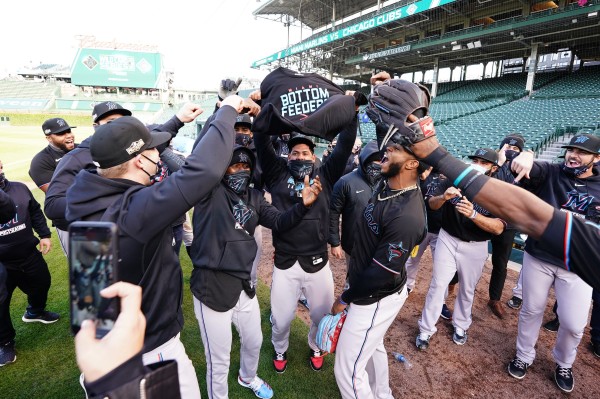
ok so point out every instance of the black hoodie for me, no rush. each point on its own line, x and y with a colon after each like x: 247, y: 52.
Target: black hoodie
x: 350, y: 196
x: 144, y: 215
x: 78, y: 159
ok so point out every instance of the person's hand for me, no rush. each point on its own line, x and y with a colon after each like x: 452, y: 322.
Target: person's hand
x: 97, y: 357
x: 337, y: 252
x: 45, y: 245
x: 229, y: 87
x: 234, y: 101
x: 251, y: 107
x: 465, y: 207
x: 255, y: 95
x: 425, y: 147
x: 522, y: 165
x: 451, y: 192
x: 338, y: 307
x: 502, y: 155
x: 380, y: 78
x: 189, y: 112
x: 310, y: 193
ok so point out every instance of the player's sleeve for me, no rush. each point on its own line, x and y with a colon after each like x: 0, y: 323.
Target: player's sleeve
x: 335, y: 165
x: 38, y: 220
x: 576, y: 242
x: 40, y: 172
x: 336, y: 205
x: 537, y: 176
x: 272, y: 218
x: 272, y: 165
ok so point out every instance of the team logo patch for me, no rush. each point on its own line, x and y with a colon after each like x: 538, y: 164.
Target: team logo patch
x: 578, y: 202
x: 244, y: 158
x: 241, y: 213
x: 581, y: 139
x: 135, y: 146
x: 395, y: 250
x: 480, y: 152
x: 61, y: 122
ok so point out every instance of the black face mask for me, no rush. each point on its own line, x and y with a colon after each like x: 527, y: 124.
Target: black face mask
x: 511, y: 154
x: 575, y: 172
x: 299, y: 169
x: 243, y: 139
x: 373, y: 173
x: 161, y: 171
x: 238, y: 181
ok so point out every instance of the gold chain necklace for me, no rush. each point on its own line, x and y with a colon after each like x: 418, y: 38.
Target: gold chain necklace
x: 399, y: 192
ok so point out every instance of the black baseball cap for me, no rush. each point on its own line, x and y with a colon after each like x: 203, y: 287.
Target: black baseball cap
x: 487, y: 154
x: 586, y: 142
x: 243, y: 154
x: 243, y: 119
x: 56, y: 126
x: 102, y: 110
x: 119, y: 141
x: 301, y: 139
x: 514, y: 139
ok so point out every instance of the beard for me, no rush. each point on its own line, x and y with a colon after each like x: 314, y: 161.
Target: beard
x: 393, y: 170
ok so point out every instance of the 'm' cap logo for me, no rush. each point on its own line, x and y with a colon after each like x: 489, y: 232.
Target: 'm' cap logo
x: 135, y: 146
x: 61, y: 122
x: 481, y: 152
x: 581, y: 139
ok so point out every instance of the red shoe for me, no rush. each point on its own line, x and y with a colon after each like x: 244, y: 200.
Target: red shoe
x: 280, y: 362
x: 316, y: 359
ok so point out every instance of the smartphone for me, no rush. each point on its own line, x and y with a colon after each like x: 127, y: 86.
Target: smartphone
x: 92, y: 267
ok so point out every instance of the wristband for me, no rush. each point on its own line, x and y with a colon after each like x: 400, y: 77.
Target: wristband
x: 473, y: 214
x: 340, y: 300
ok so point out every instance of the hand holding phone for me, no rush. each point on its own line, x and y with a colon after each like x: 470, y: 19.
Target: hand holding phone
x: 92, y: 267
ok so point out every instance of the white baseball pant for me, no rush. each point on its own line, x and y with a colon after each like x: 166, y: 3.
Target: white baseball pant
x: 361, y: 361
x: 412, y: 264
x: 574, y: 300
x: 173, y: 349
x: 286, y: 288
x: 258, y: 236
x: 215, y: 329
x: 453, y: 255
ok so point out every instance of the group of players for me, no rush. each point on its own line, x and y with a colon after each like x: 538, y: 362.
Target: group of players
x: 126, y: 173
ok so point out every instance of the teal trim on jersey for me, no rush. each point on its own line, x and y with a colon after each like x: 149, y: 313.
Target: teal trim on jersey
x: 462, y: 175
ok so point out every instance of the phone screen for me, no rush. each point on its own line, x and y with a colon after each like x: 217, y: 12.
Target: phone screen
x: 92, y: 260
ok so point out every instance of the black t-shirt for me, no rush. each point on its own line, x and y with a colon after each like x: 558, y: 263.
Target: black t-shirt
x: 429, y: 187
x: 576, y: 242
x: 43, y: 165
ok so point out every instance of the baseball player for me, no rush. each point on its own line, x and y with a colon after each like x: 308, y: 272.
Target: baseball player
x: 350, y: 196
x: 301, y: 261
x: 429, y: 182
x: 510, y: 147
x: 572, y: 186
x: 222, y: 253
x: 60, y: 141
x: 392, y: 224
x: 461, y: 247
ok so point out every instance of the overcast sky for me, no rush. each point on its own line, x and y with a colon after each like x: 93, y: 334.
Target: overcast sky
x: 201, y: 41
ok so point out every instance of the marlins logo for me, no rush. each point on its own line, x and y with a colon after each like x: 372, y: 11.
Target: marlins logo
x: 395, y: 250
x: 243, y: 158
x: 242, y: 214
x: 370, y: 219
x: 581, y: 139
x: 578, y: 202
x: 135, y: 146
x: 61, y: 122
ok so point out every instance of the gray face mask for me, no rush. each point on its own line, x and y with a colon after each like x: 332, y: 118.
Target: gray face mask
x: 373, y: 173
x: 238, y: 181
x: 299, y: 169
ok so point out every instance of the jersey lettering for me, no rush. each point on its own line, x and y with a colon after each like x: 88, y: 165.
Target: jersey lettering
x: 577, y: 201
x: 369, y: 218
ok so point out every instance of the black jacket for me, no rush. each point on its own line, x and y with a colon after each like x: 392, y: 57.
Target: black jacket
x: 7, y: 207
x: 307, y: 242
x: 133, y: 380
x: 350, y: 196
x: 16, y: 235
x: 144, y: 216
x: 78, y: 159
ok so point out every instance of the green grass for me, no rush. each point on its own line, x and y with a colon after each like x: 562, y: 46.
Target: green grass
x: 46, y: 367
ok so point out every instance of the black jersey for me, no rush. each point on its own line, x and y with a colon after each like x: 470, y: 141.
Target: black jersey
x: 43, y: 165
x: 456, y: 224
x: 563, y: 192
x: 392, y: 224
x: 575, y: 242
x: 429, y: 187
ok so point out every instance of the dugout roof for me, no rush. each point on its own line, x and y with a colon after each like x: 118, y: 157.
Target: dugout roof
x: 451, y: 33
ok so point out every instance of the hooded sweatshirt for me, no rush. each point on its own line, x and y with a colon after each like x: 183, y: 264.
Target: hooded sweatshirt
x: 144, y: 215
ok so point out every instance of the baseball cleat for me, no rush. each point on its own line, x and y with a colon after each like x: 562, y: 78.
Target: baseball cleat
x: 563, y: 376
x: 260, y: 388
x: 552, y: 325
x: 316, y: 359
x: 515, y: 303
x: 280, y: 362
x: 517, y: 368
x: 7, y: 353
x: 304, y: 302
x: 422, y: 341
x: 460, y: 336
x: 446, y: 314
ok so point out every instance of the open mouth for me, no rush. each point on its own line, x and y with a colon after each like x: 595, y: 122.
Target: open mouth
x: 573, y: 163
x: 384, y: 159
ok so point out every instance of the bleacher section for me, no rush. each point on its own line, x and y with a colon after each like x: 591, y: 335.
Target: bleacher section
x: 467, y: 118
x: 25, y: 89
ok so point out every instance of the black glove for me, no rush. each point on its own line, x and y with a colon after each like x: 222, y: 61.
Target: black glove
x: 228, y: 87
x: 389, y: 107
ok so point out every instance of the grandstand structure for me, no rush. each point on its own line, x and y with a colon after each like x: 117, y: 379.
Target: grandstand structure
x: 537, y: 60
